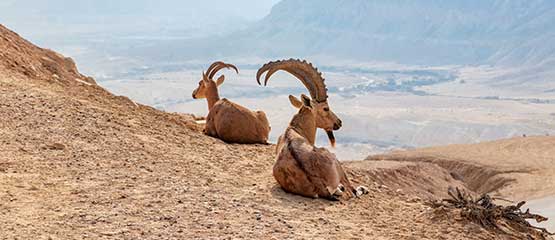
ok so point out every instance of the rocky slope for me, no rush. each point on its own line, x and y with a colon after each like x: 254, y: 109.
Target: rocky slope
x: 80, y: 163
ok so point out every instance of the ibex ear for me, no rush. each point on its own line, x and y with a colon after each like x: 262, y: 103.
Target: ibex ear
x: 295, y: 101
x: 306, y: 100
x: 220, y: 80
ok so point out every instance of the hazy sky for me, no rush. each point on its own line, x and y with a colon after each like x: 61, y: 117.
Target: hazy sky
x: 37, y: 18
x: 248, y: 9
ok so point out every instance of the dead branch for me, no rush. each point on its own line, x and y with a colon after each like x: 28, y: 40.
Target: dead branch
x: 483, y: 211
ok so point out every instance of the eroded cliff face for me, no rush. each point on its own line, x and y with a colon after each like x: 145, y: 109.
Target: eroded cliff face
x: 519, y: 168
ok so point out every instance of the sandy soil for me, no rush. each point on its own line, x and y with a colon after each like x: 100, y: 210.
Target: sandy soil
x: 77, y: 162
x: 73, y: 168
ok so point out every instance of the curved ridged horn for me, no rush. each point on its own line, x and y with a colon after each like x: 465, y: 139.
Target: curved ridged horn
x: 304, y: 71
x: 217, y: 66
x: 212, y: 66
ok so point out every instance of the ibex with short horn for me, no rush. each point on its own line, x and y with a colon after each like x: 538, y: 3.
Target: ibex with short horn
x: 301, y: 168
x: 226, y: 120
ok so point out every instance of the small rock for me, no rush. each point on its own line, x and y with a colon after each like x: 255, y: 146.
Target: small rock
x: 457, y: 176
x: 56, y: 146
x: 415, y: 199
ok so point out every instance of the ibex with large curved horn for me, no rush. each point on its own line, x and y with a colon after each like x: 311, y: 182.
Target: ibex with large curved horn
x: 302, y: 168
x: 226, y: 120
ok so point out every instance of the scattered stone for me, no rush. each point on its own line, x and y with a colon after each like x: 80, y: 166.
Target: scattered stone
x: 457, y: 176
x: 415, y: 199
x: 56, y: 146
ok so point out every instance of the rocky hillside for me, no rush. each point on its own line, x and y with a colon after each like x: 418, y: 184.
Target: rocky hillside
x: 80, y: 163
x: 21, y: 58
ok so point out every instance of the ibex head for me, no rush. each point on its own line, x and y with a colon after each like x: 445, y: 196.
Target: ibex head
x: 314, y: 82
x: 207, y: 86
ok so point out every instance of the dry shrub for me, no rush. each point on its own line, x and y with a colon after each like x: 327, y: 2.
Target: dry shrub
x: 483, y: 211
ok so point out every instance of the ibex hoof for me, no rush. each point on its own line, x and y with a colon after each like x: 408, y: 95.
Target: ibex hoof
x: 361, y: 190
x: 339, y: 191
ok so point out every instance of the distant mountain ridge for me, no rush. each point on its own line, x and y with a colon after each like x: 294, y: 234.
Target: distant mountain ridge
x: 425, y: 32
x: 417, y: 32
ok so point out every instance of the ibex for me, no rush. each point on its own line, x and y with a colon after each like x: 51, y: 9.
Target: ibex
x: 226, y: 120
x: 301, y: 168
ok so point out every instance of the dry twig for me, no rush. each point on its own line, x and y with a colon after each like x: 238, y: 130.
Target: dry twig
x: 483, y: 211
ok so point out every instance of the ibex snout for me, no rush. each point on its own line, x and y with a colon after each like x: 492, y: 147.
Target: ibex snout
x: 337, y: 125
x: 200, y: 92
x: 196, y: 92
